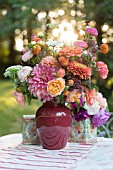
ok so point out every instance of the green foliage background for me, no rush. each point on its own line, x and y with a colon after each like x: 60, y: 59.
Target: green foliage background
x: 18, y: 16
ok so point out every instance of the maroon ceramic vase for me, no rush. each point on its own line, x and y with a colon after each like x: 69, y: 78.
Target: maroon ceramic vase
x: 53, y: 125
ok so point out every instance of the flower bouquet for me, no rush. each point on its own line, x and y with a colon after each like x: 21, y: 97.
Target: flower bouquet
x: 49, y: 70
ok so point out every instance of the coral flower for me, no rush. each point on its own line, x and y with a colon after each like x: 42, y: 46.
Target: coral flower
x: 70, y: 51
x: 79, y: 69
x: 61, y: 73
x: 103, y: 69
x: 36, y: 49
x: 104, y: 48
x: 63, y: 61
x: 90, y: 96
x: 49, y: 61
x: 74, y: 96
x: 56, y: 87
x: 37, y: 84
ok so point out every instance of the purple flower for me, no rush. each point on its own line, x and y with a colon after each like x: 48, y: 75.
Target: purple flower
x: 80, y: 115
x: 100, y: 118
x: 92, y: 31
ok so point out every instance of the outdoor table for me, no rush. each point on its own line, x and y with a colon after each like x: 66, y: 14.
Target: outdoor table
x: 75, y: 156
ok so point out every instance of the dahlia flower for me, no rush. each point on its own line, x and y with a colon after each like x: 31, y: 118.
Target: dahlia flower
x: 79, y: 69
x: 100, y: 118
x: 24, y: 73
x: 37, y: 83
x: 92, y: 31
x: 80, y: 43
x: 27, y: 56
x: 70, y: 51
x: 55, y: 87
x: 49, y: 61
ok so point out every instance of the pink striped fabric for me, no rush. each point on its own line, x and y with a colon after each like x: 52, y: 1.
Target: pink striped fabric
x: 16, y: 156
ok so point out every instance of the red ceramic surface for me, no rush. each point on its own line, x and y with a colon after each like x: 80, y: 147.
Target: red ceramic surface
x: 54, y: 125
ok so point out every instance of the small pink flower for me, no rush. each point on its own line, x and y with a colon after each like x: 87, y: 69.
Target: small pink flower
x: 80, y: 43
x: 102, y: 69
x: 92, y: 31
x: 102, y: 101
x: 49, y: 61
x: 27, y: 56
x: 20, y: 98
x: 90, y: 96
x: 61, y: 73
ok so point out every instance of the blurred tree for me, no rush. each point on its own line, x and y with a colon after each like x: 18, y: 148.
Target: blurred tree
x: 101, y: 13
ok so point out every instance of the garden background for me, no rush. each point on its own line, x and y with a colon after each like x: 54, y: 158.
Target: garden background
x: 20, y: 19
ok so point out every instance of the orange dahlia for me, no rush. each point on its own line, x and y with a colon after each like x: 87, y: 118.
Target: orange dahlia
x: 104, y: 48
x: 70, y: 51
x: 79, y: 69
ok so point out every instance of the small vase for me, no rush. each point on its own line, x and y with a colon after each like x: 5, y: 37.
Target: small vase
x: 53, y: 125
x: 83, y: 132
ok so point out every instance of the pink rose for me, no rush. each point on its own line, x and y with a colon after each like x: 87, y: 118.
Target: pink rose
x: 61, y: 73
x: 102, y: 101
x: 20, y: 98
x: 103, y: 69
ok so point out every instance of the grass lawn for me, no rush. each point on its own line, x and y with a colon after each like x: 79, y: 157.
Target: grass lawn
x: 10, y: 111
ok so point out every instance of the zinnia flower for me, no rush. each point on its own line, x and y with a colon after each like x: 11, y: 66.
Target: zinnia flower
x: 92, y: 31
x: 80, y: 43
x: 20, y: 98
x: 55, y: 87
x: 103, y: 69
x: 79, y: 69
x: 23, y: 73
x: 49, y: 61
x: 27, y: 56
x: 38, y: 81
x: 80, y: 115
x: 104, y: 48
x: 70, y: 51
x: 100, y: 118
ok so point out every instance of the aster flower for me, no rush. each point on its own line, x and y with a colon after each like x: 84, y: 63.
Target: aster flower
x: 100, y: 118
x: 24, y: 73
x: 70, y: 51
x: 92, y: 31
x: 79, y: 69
x: 37, y: 84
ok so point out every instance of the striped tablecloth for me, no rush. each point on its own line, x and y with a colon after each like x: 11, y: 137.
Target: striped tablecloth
x: 16, y: 156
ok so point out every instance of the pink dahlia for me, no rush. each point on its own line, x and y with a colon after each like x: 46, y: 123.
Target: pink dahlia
x: 79, y: 69
x: 37, y: 84
x: 92, y: 31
